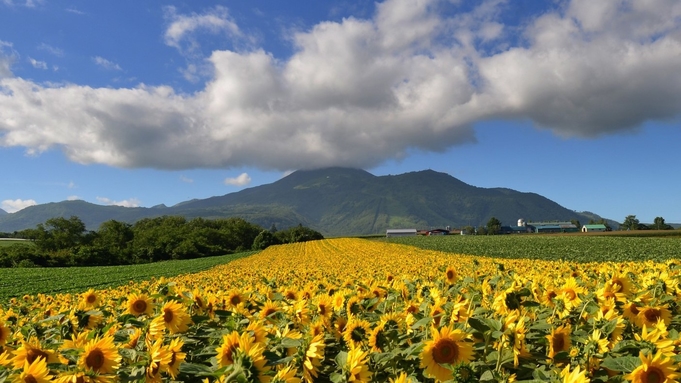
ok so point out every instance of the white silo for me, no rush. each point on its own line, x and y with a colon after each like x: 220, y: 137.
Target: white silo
x: 521, y: 222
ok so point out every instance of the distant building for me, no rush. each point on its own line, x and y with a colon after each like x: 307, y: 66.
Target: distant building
x: 593, y: 228
x: 437, y: 232
x: 515, y: 229
x: 553, y: 227
x: 400, y: 232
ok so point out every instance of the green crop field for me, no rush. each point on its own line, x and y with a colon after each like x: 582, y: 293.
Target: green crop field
x: 10, y: 242
x: 578, y: 248
x: 16, y: 282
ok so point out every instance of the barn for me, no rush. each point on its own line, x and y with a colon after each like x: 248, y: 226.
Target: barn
x: 400, y: 232
x: 593, y: 228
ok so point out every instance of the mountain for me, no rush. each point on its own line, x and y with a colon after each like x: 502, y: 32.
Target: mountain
x: 334, y: 201
x: 2, y: 212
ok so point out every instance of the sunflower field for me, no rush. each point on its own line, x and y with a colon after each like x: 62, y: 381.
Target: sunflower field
x: 352, y: 310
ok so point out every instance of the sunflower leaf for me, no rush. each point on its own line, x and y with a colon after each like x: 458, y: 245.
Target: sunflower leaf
x: 621, y: 364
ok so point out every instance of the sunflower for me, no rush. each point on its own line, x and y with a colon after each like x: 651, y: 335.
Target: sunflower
x: 258, y: 331
x: 159, y: 359
x: 35, y: 372
x: 100, y: 355
x: 649, y: 315
x: 5, y: 359
x: 570, y: 293
x: 235, y: 298
x: 654, y: 369
x: 312, y: 361
x: 257, y: 362
x: 450, y: 275
x: 176, y: 357
x: 447, y: 347
x: 230, y: 343
x: 77, y: 341
x: 574, y: 376
x: 269, y: 310
x: 401, y: 378
x: 356, y: 332
x: 378, y: 339
x: 90, y: 299
x: 174, y: 317
x: 133, y: 338
x: 324, y: 305
x: 358, y: 370
x: 139, y: 304
x: 286, y: 374
x: 631, y: 311
x: 4, y: 333
x: 30, y: 351
x: 559, y: 340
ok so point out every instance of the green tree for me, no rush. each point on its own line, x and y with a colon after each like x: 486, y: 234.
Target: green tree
x: 264, y: 240
x: 60, y: 233
x: 493, y: 226
x: 630, y: 223
x: 576, y: 223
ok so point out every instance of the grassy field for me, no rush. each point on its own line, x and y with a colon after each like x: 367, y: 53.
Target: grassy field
x: 578, y: 248
x: 10, y: 242
x: 16, y: 282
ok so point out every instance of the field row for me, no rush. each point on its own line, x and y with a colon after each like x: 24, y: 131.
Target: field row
x: 575, y: 248
x: 16, y: 282
x: 357, y: 310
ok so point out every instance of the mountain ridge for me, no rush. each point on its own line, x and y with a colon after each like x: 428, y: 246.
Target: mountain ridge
x: 335, y: 201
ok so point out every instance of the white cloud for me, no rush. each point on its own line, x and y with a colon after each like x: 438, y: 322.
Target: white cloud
x: 7, y: 57
x: 362, y: 91
x: 25, y: 3
x: 106, y: 64
x: 37, y: 64
x: 182, y: 27
x: 132, y: 202
x: 242, y: 179
x: 73, y: 198
x: 53, y: 50
x: 186, y: 179
x: 12, y: 206
x: 75, y: 11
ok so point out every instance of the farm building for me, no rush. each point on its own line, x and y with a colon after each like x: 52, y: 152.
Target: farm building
x: 514, y: 230
x: 437, y: 232
x: 592, y: 228
x: 553, y: 227
x: 400, y: 232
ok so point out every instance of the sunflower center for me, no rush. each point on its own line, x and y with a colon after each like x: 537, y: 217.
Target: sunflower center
x: 168, y: 315
x: 322, y: 309
x: 652, y: 315
x: 551, y: 295
x: 139, y: 306
x: 95, y: 359
x: 269, y: 311
x: 571, y: 294
x: 357, y: 334
x: 450, y: 274
x: 172, y: 358
x: 634, y: 309
x: 34, y: 354
x: 91, y: 298
x: 290, y: 295
x: 29, y: 379
x: 445, y: 351
x: 558, y: 342
x: 80, y: 379
x: 653, y: 375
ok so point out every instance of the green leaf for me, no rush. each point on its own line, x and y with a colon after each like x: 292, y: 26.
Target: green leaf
x: 194, y: 369
x: 622, y: 364
x: 487, y: 376
x: 291, y: 343
x: 421, y: 323
x: 478, y: 324
x: 337, y: 378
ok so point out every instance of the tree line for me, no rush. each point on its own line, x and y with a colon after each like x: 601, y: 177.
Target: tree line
x: 63, y: 242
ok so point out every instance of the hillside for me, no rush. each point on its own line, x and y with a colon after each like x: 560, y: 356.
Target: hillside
x: 334, y: 201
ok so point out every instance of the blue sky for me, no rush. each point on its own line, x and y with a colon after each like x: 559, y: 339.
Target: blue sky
x: 143, y: 103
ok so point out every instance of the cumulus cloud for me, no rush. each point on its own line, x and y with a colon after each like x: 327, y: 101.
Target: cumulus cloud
x: 132, y: 202
x: 37, y: 64
x: 12, y: 206
x: 7, y: 57
x: 242, y: 179
x: 106, y: 64
x: 181, y: 28
x: 73, y: 198
x: 358, y: 92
